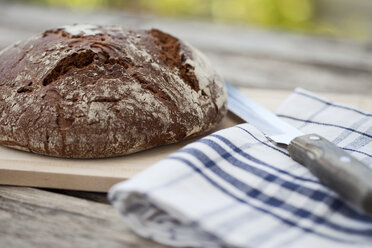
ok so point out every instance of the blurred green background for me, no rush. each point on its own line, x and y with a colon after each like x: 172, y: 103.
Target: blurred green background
x: 350, y: 18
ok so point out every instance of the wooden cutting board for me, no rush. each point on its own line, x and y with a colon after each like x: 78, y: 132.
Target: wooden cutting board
x: 27, y: 169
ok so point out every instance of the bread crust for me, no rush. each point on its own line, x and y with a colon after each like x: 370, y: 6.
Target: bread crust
x: 85, y: 91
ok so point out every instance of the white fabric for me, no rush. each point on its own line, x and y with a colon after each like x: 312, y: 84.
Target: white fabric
x: 234, y: 188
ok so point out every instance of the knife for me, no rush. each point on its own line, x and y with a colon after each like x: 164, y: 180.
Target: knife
x: 335, y: 168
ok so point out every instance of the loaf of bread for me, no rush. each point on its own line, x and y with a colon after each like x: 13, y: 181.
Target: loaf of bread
x: 85, y: 91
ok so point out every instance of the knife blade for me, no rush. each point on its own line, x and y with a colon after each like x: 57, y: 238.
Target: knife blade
x: 335, y: 168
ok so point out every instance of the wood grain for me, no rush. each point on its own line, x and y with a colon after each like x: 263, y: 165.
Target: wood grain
x: 87, y: 195
x: 244, y: 55
x: 36, y: 218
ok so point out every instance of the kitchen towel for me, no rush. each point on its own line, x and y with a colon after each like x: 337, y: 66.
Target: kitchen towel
x: 234, y: 188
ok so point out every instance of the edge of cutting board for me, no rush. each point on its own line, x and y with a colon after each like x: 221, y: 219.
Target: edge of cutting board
x: 26, y: 169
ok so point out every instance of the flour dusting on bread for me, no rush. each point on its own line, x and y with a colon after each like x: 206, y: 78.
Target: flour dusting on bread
x: 82, y: 29
x: 87, y: 91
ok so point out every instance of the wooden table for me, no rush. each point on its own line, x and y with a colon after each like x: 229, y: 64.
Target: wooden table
x: 266, y: 64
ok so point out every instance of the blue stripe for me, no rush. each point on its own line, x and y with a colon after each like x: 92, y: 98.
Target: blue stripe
x: 263, y: 143
x: 326, y: 124
x: 227, y: 142
x: 332, y: 104
x: 170, y: 183
x: 352, y: 150
x: 315, y: 195
x: 268, y: 200
x: 248, y: 156
x: 286, y: 154
x: 241, y: 200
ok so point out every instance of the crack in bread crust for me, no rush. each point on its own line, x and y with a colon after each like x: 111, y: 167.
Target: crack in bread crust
x: 170, y: 53
x: 86, y: 91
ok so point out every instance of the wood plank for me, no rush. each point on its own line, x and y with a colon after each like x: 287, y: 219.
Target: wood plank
x: 273, y: 73
x: 36, y: 218
x: 91, y: 196
x: 244, y: 55
x: 27, y: 169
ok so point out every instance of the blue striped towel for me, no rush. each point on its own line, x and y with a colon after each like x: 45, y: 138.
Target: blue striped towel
x: 234, y: 188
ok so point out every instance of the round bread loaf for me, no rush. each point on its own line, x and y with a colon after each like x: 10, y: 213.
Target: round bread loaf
x: 85, y: 91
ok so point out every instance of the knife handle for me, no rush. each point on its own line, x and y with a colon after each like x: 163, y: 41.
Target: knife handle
x: 335, y: 168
